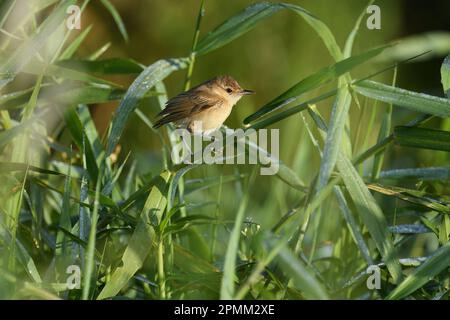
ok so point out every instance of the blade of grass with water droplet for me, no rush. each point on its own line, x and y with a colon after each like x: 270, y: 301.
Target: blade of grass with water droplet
x: 414, y: 101
x: 430, y: 174
x: 144, y: 82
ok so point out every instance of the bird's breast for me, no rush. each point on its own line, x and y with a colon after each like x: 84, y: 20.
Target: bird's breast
x: 211, y: 118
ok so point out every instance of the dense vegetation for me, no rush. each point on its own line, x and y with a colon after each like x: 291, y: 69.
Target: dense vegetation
x: 71, y: 197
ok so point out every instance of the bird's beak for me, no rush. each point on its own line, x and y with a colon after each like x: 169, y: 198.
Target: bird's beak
x: 245, y: 92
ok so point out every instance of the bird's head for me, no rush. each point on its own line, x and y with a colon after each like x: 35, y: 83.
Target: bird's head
x: 228, y: 88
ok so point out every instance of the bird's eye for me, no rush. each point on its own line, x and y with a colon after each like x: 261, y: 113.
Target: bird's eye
x: 229, y: 90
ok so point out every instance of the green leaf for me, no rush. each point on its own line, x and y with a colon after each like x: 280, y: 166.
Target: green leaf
x: 422, y: 198
x: 62, y: 245
x: 352, y: 35
x: 384, y: 132
x: 227, y: 287
x: 431, y: 173
x: 76, y: 130
x: 90, y: 266
x: 117, y: 18
x: 409, y: 229
x: 422, y: 138
x: 445, y: 75
x: 22, y: 254
x: 7, y: 136
x: 29, y: 48
x: 144, y: 82
x: 16, y: 166
x: 236, y: 26
x: 36, y: 67
x: 107, y: 66
x: 5, y: 9
x: 65, y: 95
x: 314, y: 81
x: 435, y: 264
x: 371, y: 215
x: 140, y: 243
x: 367, y: 207
x: 400, y: 97
x: 354, y: 228
x: 437, y: 43
x: 335, y: 131
x: 304, y: 279
x: 85, y: 95
x: 247, y: 19
x: 75, y: 44
x: 291, y: 111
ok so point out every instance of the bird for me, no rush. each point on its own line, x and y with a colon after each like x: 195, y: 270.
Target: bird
x: 205, y: 107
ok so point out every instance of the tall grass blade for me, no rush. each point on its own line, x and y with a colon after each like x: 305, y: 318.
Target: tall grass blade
x: 334, y: 134
x: 314, y: 81
x: 144, y: 82
x: 141, y: 242
x: 430, y: 173
x: 227, y: 289
x: 29, y: 48
x: 371, y: 214
x: 117, y: 18
x: 439, y: 261
x: 422, y: 138
x: 304, y: 279
x: 414, y: 101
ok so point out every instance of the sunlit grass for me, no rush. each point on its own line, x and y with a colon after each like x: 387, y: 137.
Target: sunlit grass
x: 182, y: 231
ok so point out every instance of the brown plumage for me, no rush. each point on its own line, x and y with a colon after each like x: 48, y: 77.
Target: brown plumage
x: 207, y: 105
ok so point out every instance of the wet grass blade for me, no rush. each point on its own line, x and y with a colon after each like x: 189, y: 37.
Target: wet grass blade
x: 414, y: 101
x: 314, y: 81
x: 334, y: 133
x: 371, y: 214
x: 368, y: 209
x: 143, y: 83
x: 430, y: 174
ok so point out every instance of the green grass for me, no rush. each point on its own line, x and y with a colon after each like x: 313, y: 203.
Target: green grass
x: 69, y: 197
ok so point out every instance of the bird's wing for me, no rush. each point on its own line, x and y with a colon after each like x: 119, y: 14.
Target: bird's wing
x: 187, y: 104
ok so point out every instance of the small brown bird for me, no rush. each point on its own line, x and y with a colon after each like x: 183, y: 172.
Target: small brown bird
x: 203, y: 108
